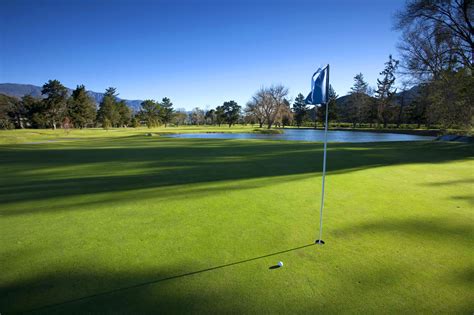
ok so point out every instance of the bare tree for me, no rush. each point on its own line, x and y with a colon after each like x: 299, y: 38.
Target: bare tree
x: 426, y: 53
x: 179, y: 117
x: 437, y: 35
x: 268, y: 102
x: 197, y: 116
x: 255, y: 110
x: 249, y: 117
x: 285, y: 115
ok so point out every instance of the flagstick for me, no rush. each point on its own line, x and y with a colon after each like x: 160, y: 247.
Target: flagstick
x: 320, y: 240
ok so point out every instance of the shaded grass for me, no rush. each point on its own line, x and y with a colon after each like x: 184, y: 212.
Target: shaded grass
x: 135, y: 224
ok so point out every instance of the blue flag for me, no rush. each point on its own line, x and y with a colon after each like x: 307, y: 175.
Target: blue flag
x: 318, y: 88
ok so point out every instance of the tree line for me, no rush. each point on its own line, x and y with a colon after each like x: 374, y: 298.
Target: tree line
x: 59, y: 109
x: 78, y: 110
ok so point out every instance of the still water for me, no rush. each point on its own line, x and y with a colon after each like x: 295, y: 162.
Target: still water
x: 311, y: 135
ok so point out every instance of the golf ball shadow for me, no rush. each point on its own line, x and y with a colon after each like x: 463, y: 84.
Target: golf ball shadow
x: 279, y: 265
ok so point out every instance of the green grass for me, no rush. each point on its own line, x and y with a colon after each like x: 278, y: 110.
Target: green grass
x: 119, y: 222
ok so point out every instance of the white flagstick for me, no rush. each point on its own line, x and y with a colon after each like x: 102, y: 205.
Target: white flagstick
x: 320, y: 241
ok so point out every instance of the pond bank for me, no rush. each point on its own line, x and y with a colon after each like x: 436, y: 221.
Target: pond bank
x: 415, y: 132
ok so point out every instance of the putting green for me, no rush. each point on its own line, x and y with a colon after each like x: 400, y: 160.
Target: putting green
x: 120, y: 222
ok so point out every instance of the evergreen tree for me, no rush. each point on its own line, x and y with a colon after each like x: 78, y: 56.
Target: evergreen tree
x: 211, y: 116
x: 313, y: 116
x: 108, y: 114
x: 358, y: 101
x: 35, y: 111
x: 231, y: 112
x: 220, y: 115
x: 385, y: 91
x: 360, y: 86
x: 451, y: 100
x: 369, y: 111
x: 55, y: 101
x: 150, y: 113
x: 418, y: 108
x: 81, y: 108
x: 13, y: 113
x: 332, y: 115
x: 124, y: 113
x: 300, y: 110
x: 401, y: 99
x: 166, y: 110
x: 8, y: 110
x: 136, y: 121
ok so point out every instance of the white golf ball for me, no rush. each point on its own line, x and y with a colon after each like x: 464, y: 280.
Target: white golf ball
x: 280, y: 264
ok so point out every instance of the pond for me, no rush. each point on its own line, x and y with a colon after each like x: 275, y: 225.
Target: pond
x: 311, y: 135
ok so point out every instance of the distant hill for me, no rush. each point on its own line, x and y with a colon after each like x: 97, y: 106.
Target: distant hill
x: 20, y: 90
x: 410, y: 95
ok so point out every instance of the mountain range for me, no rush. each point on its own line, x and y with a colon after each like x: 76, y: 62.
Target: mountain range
x: 20, y: 90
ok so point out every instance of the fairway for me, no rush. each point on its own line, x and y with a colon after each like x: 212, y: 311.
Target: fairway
x: 111, y: 222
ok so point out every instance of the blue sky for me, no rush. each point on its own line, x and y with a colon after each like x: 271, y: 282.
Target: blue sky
x: 198, y: 53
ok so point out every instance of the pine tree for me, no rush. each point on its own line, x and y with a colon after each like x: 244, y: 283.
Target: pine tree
x: 55, y: 101
x: 211, y: 116
x: 10, y: 109
x: 220, y: 115
x: 124, y: 113
x: 136, y: 121
x: 166, y: 110
x: 360, y: 86
x: 300, y: 110
x: 81, y: 108
x: 108, y: 114
x: 231, y: 112
x: 385, y: 91
x: 358, y: 100
x: 150, y: 113
x: 35, y: 111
